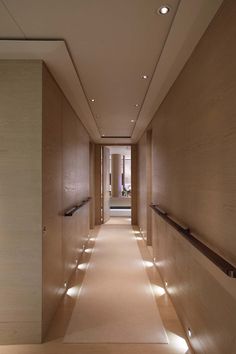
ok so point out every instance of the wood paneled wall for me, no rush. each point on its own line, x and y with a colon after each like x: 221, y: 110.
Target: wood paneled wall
x: 145, y: 185
x: 53, y: 266
x: 98, y: 183
x: 204, y: 297
x: 66, y: 183
x: 134, y: 184
x: 194, y: 135
x: 193, y: 179
x: 149, y: 184
x: 20, y: 201
x: 142, y: 186
x: 44, y: 171
x: 92, y: 184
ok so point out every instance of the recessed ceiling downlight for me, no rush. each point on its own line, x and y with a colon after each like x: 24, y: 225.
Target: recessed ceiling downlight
x: 92, y: 99
x: 163, y: 10
x: 145, y: 77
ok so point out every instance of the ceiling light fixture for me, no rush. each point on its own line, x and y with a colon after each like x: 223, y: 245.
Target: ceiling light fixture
x: 92, y: 99
x: 132, y: 120
x: 145, y: 77
x: 136, y: 105
x: 163, y: 10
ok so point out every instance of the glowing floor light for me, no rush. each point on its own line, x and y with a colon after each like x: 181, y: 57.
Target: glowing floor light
x: 179, y: 343
x: 158, y: 290
x: 82, y: 266
x: 148, y: 264
x: 73, y: 291
x: 139, y: 238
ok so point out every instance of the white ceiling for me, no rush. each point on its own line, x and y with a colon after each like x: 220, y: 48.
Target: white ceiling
x: 105, y: 47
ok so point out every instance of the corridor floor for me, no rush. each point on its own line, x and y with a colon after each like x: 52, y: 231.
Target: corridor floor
x: 108, y: 272
x: 116, y: 302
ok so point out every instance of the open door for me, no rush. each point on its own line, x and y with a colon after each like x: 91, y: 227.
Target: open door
x: 105, y: 184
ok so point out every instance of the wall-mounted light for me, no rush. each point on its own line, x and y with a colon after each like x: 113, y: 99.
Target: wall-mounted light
x: 189, y: 332
x: 163, y: 10
x: 65, y: 284
x: 166, y: 284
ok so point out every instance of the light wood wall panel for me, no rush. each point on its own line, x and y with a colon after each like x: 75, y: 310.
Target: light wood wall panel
x: 92, y: 185
x: 75, y: 187
x: 193, y: 179
x: 97, y: 183
x: 44, y: 171
x: 205, y: 298
x: 195, y: 139
x: 105, y: 183
x: 20, y: 201
x: 134, y: 184
x: 142, y: 186
x: 53, y: 267
x: 70, y: 191
x: 145, y: 185
x: 149, y: 185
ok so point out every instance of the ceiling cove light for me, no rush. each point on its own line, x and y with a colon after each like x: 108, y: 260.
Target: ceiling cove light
x: 163, y: 10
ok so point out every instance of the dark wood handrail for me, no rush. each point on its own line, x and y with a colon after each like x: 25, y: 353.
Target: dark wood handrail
x: 219, y: 261
x: 74, y: 209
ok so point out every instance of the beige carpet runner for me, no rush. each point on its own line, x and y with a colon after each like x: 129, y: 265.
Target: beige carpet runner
x: 116, y: 303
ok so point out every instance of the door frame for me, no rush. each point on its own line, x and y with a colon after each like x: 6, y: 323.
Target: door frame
x: 98, y: 148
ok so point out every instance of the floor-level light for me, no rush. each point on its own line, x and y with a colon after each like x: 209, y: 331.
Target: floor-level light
x: 148, y: 264
x: 189, y: 332
x: 82, y: 266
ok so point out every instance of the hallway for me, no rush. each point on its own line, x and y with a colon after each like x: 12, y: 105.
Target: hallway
x: 117, y: 177
x: 107, y: 296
